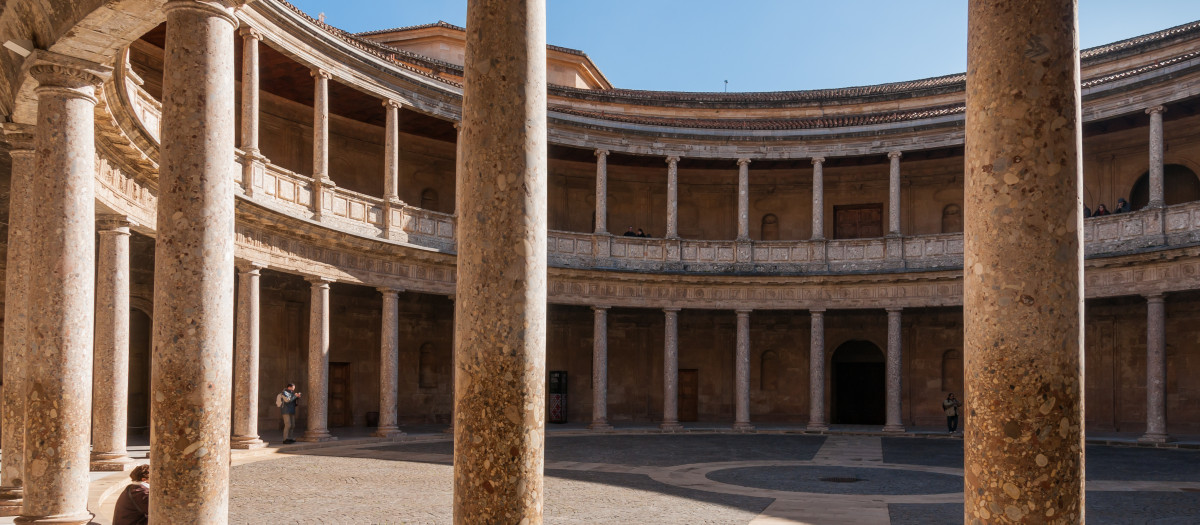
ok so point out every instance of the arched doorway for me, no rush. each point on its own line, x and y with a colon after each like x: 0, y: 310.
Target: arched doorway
x: 1180, y: 185
x: 857, y: 384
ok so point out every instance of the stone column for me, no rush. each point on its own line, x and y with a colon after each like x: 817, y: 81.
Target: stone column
x: 110, y: 369
x: 1023, y: 331
x: 245, y: 356
x: 741, y: 419
x: 192, y: 366
x: 16, y: 297
x: 895, y: 369
x: 1156, y: 371
x: 391, y: 152
x: 1156, y: 157
x: 818, y: 199
x: 250, y: 108
x: 670, y: 422
x: 317, y: 396
x: 600, y: 369
x: 601, y: 191
x: 454, y: 344
x: 389, y: 365
x: 320, y: 169
x: 816, y: 373
x: 500, y: 389
x: 894, y: 193
x: 672, y: 197
x: 743, y: 199
x: 61, y: 285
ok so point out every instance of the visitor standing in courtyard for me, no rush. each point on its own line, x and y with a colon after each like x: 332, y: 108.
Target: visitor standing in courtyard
x: 950, y: 405
x: 133, y: 505
x: 286, y: 401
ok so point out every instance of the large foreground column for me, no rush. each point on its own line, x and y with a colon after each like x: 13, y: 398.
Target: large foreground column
x: 317, y: 396
x: 894, y: 372
x: 58, y: 401
x: 500, y: 346
x: 192, y: 362
x: 1156, y: 371
x: 16, y: 297
x: 110, y: 371
x: 816, y: 373
x: 670, y: 420
x: 741, y: 417
x: 600, y: 369
x: 389, y: 365
x: 1023, y: 267
x: 246, y: 352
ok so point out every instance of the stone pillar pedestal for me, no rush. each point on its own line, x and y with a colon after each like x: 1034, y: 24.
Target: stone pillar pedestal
x: 894, y: 193
x: 816, y: 373
x: 194, y: 270
x: 894, y: 372
x: 818, y: 199
x: 672, y: 197
x: 61, y: 285
x: 741, y: 421
x: 601, y: 191
x: 1156, y: 371
x: 743, y: 199
x: 246, y: 352
x: 16, y: 299
x: 1156, y: 157
x: 110, y: 369
x: 317, y: 397
x: 600, y: 369
x: 670, y: 422
x: 1023, y: 265
x: 500, y: 307
x: 389, y: 365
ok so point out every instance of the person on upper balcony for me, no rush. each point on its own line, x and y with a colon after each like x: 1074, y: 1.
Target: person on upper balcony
x: 630, y: 232
x: 1122, y: 206
x: 1101, y: 211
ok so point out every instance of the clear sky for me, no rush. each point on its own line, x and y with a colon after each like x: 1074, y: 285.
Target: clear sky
x: 762, y: 45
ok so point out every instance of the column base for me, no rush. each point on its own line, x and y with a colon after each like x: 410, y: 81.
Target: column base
x: 388, y: 432
x: 11, y: 499
x: 673, y: 426
x: 1153, y: 438
x: 317, y: 436
x: 82, y: 518
x: 743, y: 427
x: 600, y: 426
x: 111, y: 462
x: 893, y: 428
x: 246, y: 442
x: 817, y: 427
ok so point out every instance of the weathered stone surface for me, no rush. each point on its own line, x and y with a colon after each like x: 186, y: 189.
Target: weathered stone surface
x: 110, y: 371
x: 1156, y: 370
x: 1023, y: 278
x: 816, y: 372
x: 741, y: 374
x: 316, y: 399
x: 894, y: 371
x: 389, y: 357
x: 246, y: 358
x: 670, y: 420
x: 600, y: 369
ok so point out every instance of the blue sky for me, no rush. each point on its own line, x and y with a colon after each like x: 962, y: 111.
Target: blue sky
x: 762, y: 45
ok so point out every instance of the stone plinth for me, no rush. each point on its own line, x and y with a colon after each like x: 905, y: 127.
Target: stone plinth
x: 500, y: 307
x: 1023, y: 267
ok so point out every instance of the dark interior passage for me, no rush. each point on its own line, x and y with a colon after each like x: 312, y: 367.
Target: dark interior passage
x: 857, y: 384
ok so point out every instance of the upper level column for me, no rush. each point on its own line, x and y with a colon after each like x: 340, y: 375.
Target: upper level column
x: 894, y: 193
x: 818, y: 198
x: 1156, y: 156
x: 391, y: 153
x: 672, y: 197
x: 61, y: 288
x: 601, y: 191
x: 250, y: 108
x: 743, y: 199
x: 194, y: 268
x: 320, y: 169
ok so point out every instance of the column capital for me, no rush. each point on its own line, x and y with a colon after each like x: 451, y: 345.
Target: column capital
x: 458, y: 126
x: 673, y: 159
x: 895, y: 154
x: 451, y: 297
x: 816, y: 311
x: 1154, y: 297
x: 395, y: 104
x: 219, y: 8
x: 601, y: 153
x: 246, y: 266
x: 818, y: 161
x: 18, y: 136
x: 894, y: 309
x: 743, y: 161
x: 1156, y: 109
x: 319, y: 281
x: 251, y: 33
x: 114, y: 223
x: 321, y: 74
x: 52, y: 70
x: 672, y: 310
x: 600, y: 308
x: 392, y: 290
x: 743, y: 312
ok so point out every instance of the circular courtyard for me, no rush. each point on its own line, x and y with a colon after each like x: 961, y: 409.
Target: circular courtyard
x: 696, y: 478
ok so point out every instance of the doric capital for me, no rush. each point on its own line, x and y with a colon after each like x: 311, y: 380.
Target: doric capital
x: 251, y: 33
x: 601, y: 308
x: 601, y: 153
x: 894, y: 310
x: 673, y: 159
x: 743, y: 312
x: 818, y: 160
x: 895, y: 154
x: 816, y: 312
x: 319, y: 280
x: 672, y: 310
x: 321, y: 74
x: 18, y: 136
x: 248, y: 266
x: 54, y: 71
x: 220, y: 8
x: 393, y: 104
x: 458, y: 127
x: 450, y: 297
x: 743, y: 161
x: 1153, y: 297
x: 1156, y: 109
x: 114, y: 223
x: 390, y: 290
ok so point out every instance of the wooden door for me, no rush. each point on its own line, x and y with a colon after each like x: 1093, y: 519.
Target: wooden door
x: 340, y: 413
x: 689, y: 394
x: 858, y: 221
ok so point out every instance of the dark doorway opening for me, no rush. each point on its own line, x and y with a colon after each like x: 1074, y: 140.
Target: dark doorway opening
x: 858, y: 384
x: 340, y: 413
x: 689, y: 395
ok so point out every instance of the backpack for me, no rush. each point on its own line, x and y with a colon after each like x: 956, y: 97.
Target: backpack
x: 279, y: 399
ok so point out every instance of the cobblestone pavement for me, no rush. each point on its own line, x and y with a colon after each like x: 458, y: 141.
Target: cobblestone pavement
x: 702, y: 479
